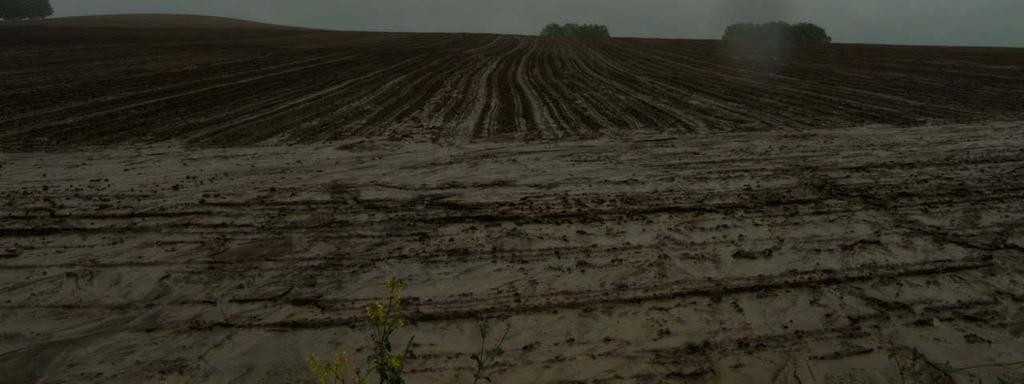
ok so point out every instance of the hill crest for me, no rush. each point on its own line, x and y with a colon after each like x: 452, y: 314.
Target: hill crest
x: 152, y: 20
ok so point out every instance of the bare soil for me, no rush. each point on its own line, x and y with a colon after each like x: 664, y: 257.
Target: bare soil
x: 103, y: 83
x: 639, y: 211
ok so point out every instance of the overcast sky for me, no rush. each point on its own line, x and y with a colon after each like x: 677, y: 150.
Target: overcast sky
x: 941, y: 22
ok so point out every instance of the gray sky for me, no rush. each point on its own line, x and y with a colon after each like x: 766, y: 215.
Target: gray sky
x: 940, y: 22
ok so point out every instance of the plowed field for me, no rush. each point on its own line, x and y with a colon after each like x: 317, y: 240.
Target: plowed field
x: 193, y: 205
x: 67, y: 86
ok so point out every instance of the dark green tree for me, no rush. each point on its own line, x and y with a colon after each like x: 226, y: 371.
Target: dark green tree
x: 776, y: 32
x: 576, y: 30
x: 809, y: 33
x: 25, y: 9
x: 553, y: 29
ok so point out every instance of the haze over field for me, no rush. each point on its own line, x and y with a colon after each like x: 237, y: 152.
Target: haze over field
x: 938, y: 22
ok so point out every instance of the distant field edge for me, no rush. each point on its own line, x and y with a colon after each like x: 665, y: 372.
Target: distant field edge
x: 151, y: 20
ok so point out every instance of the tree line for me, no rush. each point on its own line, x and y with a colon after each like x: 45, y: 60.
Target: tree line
x: 25, y: 9
x: 777, y: 32
x: 575, y: 30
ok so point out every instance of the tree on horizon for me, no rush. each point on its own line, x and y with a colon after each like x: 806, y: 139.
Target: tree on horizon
x: 25, y: 9
x: 777, y: 32
x: 575, y: 30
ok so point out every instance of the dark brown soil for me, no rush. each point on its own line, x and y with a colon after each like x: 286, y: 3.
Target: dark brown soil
x: 217, y: 82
